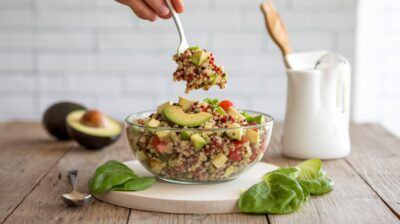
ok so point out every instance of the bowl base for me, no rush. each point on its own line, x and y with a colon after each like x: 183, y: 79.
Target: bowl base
x: 192, y: 182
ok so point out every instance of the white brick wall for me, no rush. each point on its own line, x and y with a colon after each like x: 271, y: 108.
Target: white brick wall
x: 97, y: 53
x: 378, y: 78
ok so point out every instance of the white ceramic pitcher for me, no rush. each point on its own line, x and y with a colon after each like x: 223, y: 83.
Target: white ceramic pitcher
x: 317, y: 111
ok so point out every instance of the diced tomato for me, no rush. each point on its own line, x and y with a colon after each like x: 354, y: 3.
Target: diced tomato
x: 157, y: 144
x: 235, y: 155
x: 225, y: 104
x: 240, y: 143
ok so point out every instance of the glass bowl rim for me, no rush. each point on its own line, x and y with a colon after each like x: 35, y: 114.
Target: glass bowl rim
x: 128, y: 121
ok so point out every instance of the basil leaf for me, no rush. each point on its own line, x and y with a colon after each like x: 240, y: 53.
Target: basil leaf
x: 211, y: 101
x: 215, y: 106
x: 219, y: 109
x: 276, y: 194
x: 112, y: 174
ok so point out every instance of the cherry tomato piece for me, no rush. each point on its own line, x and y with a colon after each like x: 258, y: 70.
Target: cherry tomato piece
x: 225, y: 104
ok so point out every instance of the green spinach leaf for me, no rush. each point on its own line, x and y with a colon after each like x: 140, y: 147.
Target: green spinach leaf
x: 286, y: 189
x: 276, y: 194
x: 136, y: 184
x: 292, y: 172
x: 112, y: 174
x: 309, y: 169
x: 319, y: 185
x: 314, y: 178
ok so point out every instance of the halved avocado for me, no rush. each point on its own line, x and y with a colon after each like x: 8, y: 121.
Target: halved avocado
x: 54, y: 118
x: 92, y: 129
x: 175, y: 114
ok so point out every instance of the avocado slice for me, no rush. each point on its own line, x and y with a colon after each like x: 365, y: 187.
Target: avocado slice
x: 161, y: 107
x: 195, y: 48
x: 54, y: 119
x: 92, y: 129
x: 236, y: 114
x: 199, y: 57
x: 185, y: 103
x: 253, y: 136
x: 198, y: 141
x: 176, y: 115
x: 236, y: 133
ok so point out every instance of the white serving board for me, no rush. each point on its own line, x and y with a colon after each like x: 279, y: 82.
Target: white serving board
x: 186, y: 198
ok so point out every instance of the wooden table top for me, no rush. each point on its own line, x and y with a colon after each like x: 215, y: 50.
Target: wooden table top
x: 33, y: 170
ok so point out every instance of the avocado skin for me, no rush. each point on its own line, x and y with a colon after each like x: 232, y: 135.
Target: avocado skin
x: 54, y: 119
x: 91, y: 141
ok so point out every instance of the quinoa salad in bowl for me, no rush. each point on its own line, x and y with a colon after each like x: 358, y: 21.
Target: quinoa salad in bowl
x: 195, y: 141
x: 196, y: 66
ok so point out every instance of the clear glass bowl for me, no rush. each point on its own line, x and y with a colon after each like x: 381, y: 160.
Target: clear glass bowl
x: 171, y: 155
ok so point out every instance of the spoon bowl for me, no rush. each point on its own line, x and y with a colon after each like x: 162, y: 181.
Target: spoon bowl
x: 75, y: 198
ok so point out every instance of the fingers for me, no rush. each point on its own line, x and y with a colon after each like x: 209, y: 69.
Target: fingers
x: 158, y: 6
x: 142, y: 10
x: 151, y: 9
x: 178, y: 5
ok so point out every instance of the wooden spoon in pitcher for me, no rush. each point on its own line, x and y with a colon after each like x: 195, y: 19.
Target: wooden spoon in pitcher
x: 276, y: 29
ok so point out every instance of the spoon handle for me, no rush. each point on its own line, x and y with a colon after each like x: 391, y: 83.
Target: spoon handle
x: 178, y: 24
x: 276, y: 29
x: 73, y: 177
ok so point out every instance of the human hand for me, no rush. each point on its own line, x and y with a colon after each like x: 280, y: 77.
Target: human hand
x: 151, y: 9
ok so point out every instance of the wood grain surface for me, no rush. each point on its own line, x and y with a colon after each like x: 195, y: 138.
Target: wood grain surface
x: 33, y: 170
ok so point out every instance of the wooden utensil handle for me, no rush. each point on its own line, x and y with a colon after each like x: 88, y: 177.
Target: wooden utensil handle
x: 276, y: 29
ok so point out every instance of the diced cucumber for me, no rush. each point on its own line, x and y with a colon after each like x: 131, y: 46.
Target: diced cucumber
x: 163, y: 135
x: 198, y: 141
x: 229, y: 171
x: 185, y: 103
x: 236, y: 114
x: 206, y: 138
x: 185, y: 135
x: 153, y: 123
x: 252, y: 135
x: 161, y: 107
x: 219, y: 160
x: 236, y: 133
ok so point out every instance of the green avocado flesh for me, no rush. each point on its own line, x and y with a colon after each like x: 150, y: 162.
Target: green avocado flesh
x: 176, y: 115
x: 199, y: 57
x: 113, y: 129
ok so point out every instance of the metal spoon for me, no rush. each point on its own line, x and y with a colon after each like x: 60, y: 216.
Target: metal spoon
x: 75, y: 198
x: 184, y: 44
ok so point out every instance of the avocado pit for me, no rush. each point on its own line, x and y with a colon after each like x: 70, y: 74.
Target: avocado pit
x: 93, y: 129
x: 94, y: 118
